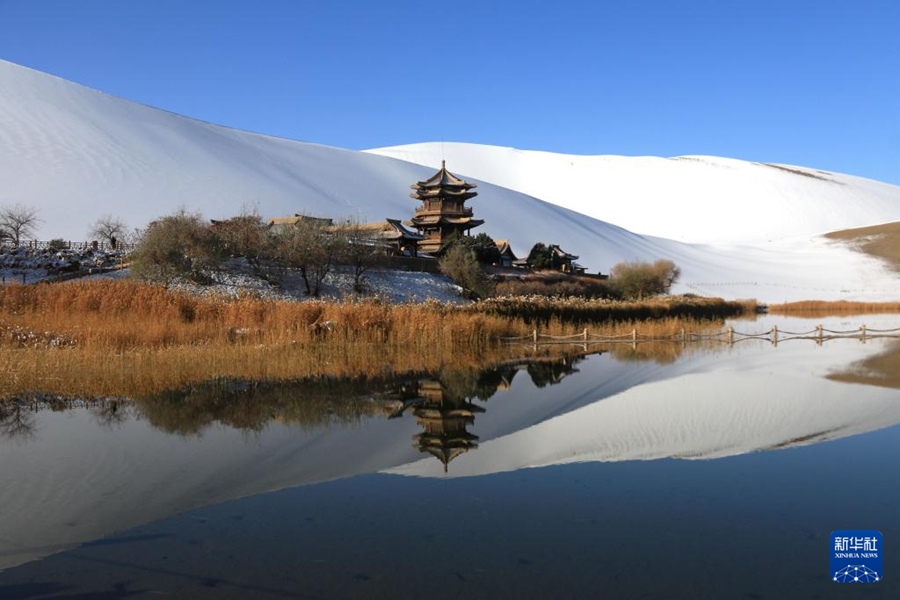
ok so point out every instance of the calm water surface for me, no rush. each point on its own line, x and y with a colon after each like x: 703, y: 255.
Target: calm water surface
x: 678, y: 473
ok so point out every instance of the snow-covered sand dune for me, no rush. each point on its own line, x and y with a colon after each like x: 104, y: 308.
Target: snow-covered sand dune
x: 703, y: 199
x: 76, y: 153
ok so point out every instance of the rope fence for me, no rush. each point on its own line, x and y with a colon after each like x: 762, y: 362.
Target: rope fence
x: 729, y: 336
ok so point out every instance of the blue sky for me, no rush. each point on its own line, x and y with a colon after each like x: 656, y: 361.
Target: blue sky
x: 814, y: 83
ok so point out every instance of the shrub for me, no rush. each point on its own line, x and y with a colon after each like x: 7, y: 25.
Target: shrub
x: 460, y: 264
x: 176, y: 246
x: 639, y: 280
x: 57, y: 244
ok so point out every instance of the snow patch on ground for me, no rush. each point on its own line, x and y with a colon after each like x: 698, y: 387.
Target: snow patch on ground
x: 236, y: 278
x: 28, y: 265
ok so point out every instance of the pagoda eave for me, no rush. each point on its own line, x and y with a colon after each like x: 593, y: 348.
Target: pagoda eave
x: 435, y: 194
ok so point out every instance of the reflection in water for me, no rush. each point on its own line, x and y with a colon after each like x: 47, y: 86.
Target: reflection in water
x: 444, y: 406
x: 77, y: 470
x: 17, y: 420
x: 882, y: 370
x: 438, y: 399
x: 444, y: 421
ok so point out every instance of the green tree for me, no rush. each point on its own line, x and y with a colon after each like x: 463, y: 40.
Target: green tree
x: 483, y: 245
x: 638, y: 280
x: 540, y: 257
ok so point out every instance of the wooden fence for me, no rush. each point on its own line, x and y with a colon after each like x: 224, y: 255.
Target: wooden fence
x: 727, y: 336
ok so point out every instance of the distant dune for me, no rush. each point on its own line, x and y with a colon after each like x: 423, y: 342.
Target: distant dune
x: 881, y: 241
x: 704, y: 199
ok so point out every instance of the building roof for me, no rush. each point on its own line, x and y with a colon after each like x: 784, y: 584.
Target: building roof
x: 444, y: 178
x: 562, y: 253
x: 419, y: 221
x: 443, y: 184
x: 293, y: 220
x: 505, y: 249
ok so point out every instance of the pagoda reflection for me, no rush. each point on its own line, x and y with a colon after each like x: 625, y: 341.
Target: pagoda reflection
x: 445, y: 405
x: 444, y: 420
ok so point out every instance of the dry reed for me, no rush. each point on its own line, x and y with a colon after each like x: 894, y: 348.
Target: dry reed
x: 816, y: 308
x: 123, y: 338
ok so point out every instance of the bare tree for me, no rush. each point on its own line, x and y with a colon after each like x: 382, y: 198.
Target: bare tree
x: 248, y: 236
x: 311, y: 246
x: 110, y: 229
x: 18, y: 221
x: 358, y: 250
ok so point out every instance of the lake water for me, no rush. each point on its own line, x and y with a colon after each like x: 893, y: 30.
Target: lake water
x: 698, y: 472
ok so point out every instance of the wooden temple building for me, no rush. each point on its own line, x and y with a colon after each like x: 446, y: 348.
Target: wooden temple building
x: 443, y: 212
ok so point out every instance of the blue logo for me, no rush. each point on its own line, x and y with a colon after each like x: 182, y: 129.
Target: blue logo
x: 856, y: 556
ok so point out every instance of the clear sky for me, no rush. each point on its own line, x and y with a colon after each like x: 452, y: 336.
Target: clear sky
x: 806, y: 82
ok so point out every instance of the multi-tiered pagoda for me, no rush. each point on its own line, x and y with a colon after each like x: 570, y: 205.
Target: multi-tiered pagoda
x: 443, y: 212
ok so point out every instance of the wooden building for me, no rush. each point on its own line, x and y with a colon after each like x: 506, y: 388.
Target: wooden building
x: 443, y: 212
x: 563, y: 261
x: 390, y: 234
x: 507, y: 256
x: 279, y: 222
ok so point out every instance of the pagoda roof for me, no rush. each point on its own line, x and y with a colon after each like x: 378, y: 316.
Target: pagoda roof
x: 443, y: 178
x: 443, y: 219
x: 438, y: 192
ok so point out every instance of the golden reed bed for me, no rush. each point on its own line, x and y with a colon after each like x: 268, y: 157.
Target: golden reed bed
x: 107, y: 337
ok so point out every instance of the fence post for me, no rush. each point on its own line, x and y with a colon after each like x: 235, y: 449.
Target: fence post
x: 819, y: 332
x: 634, y: 334
x: 534, y: 335
x: 775, y: 334
x: 863, y: 330
x: 731, y: 336
x: 585, y: 334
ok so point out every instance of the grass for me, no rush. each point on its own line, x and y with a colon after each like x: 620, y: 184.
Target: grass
x: 880, y: 241
x: 123, y: 338
x: 817, y: 308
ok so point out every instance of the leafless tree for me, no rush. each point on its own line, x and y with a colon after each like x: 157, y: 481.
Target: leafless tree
x: 358, y: 251
x: 310, y: 246
x: 110, y: 229
x: 18, y: 221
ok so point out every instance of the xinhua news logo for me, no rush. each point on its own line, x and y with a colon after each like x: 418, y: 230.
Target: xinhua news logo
x: 856, y: 556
